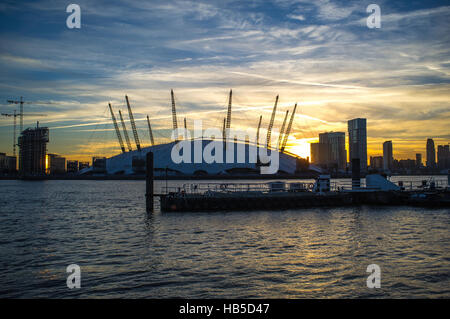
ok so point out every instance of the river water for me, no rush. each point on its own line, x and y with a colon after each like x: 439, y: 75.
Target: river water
x: 123, y: 252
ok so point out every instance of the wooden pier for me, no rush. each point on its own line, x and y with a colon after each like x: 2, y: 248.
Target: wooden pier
x: 178, y: 202
x: 203, y: 197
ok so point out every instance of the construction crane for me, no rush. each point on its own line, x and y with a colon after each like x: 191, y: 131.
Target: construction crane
x: 125, y: 133
x: 119, y: 136
x: 257, y: 131
x: 280, y: 136
x: 133, y: 125
x: 14, y: 115
x: 150, y: 131
x: 288, y: 130
x: 21, y: 102
x: 269, y: 130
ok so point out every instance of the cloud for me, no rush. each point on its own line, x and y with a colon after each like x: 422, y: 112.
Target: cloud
x: 319, y: 54
x: 22, y: 62
x: 298, y: 17
x: 331, y: 11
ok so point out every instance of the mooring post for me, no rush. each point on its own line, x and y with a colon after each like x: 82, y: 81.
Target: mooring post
x: 448, y: 179
x: 356, y: 170
x: 149, y: 183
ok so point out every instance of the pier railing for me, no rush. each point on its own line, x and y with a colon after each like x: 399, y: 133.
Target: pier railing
x: 409, y: 185
x: 422, y: 184
x: 202, y: 188
x: 224, y: 187
x: 267, y: 187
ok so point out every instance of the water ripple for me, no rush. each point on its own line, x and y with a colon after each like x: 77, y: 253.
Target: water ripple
x: 125, y: 253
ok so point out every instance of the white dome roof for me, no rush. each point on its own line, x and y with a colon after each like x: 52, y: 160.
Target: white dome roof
x: 122, y: 163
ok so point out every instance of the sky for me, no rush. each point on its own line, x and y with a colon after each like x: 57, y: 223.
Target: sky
x: 319, y: 54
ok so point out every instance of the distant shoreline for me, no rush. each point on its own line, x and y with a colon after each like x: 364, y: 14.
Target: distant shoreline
x: 142, y: 177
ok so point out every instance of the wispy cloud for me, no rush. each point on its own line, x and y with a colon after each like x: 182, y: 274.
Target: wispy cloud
x: 319, y: 54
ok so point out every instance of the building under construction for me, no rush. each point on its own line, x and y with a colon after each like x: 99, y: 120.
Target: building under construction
x: 33, y: 150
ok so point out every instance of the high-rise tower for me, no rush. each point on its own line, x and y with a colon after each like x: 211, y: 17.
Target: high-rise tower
x: 33, y: 151
x: 357, y: 140
x: 431, y: 154
x: 388, y: 157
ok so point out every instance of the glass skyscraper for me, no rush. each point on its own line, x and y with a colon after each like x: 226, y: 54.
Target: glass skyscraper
x: 388, y: 158
x: 336, y: 155
x: 357, y: 141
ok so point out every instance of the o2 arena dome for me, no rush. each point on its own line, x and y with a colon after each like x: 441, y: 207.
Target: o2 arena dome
x: 205, y: 155
x: 200, y: 158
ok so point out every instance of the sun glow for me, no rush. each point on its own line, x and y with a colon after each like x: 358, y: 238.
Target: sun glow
x: 46, y: 164
x: 301, y: 147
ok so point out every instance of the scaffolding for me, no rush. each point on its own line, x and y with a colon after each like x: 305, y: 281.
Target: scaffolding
x: 33, y: 151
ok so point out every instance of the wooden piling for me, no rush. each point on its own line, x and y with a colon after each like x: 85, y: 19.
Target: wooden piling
x: 356, y: 170
x: 149, y: 183
x: 448, y: 179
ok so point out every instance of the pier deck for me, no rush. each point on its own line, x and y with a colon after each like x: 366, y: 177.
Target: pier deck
x: 228, y: 197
